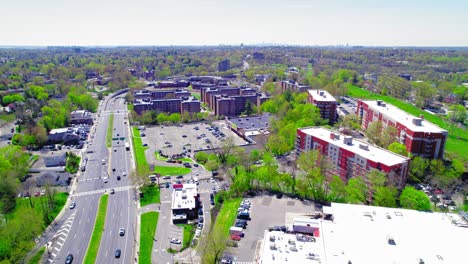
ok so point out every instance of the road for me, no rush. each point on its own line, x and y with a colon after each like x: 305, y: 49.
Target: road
x: 74, y: 231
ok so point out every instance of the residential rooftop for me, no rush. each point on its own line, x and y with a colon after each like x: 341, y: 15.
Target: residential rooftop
x: 321, y: 95
x: 412, y: 122
x: 364, y: 149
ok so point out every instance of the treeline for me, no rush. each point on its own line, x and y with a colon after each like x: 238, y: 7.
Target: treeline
x: 155, y: 118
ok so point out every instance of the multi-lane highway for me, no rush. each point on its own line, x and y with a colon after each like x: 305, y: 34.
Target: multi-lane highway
x: 75, y: 233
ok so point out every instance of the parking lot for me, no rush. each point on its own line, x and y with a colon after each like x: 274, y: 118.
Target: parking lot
x: 171, y: 140
x: 266, y: 211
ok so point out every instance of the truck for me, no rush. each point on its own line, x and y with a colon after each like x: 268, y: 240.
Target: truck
x: 127, y: 146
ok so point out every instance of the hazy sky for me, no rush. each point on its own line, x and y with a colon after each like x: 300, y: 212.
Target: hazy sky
x: 213, y: 22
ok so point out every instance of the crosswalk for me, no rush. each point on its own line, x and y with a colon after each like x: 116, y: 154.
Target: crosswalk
x: 59, y: 238
x: 116, y: 189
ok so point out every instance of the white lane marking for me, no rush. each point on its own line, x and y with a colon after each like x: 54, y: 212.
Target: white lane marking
x: 61, y: 244
x: 53, y: 254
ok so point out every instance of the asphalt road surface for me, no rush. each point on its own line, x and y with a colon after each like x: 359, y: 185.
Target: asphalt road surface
x: 74, y: 234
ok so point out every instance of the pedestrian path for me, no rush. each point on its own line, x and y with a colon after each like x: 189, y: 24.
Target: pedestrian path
x: 54, y: 247
x: 116, y: 189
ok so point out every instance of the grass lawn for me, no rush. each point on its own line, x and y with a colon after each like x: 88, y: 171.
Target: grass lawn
x: 196, y: 95
x: 457, y: 140
x: 226, y: 217
x: 8, y: 117
x: 151, y: 195
x: 189, y: 232
x: 59, y: 199
x: 36, y: 258
x: 95, y: 241
x: 110, y: 127
x: 159, y: 157
x: 168, y: 170
x: 141, y: 163
x: 149, y: 222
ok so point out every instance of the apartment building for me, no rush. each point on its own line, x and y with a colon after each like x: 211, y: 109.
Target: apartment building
x: 294, y: 86
x: 350, y: 158
x: 325, y: 102
x: 420, y: 137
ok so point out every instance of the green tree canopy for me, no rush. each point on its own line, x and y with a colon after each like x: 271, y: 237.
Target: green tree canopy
x: 411, y: 198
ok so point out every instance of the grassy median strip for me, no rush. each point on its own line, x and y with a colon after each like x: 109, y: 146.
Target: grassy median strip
x: 151, y: 195
x: 110, y: 127
x: 141, y: 163
x: 226, y: 217
x: 457, y: 140
x: 168, y: 170
x: 95, y: 242
x: 149, y: 222
x: 37, y: 258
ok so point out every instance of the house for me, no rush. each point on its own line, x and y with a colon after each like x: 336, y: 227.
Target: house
x: 55, y: 161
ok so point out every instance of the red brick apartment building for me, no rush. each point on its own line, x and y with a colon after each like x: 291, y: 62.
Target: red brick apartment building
x: 420, y: 137
x: 325, y: 102
x: 350, y: 157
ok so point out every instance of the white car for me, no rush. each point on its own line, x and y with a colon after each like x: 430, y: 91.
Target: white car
x: 105, y: 179
x: 124, y: 173
x: 176, y: 241
x: 197, y: 232
x: 72, y: 205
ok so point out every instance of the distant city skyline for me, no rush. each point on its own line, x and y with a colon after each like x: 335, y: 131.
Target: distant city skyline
x: 215, y: 22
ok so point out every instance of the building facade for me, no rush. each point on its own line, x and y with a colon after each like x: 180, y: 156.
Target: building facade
x: 325, y: 102
x: 420, y: 137
x: 350, y: 158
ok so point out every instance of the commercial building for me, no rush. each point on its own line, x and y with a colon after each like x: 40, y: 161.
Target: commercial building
x: 185, y: 202
x: 350, y: 158
x: 325, y: 102
x: 368, y: 235
x: 420, y: 137
x: 248, y: 126
x: 81, y: 117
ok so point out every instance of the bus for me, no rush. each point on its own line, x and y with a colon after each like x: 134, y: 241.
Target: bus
x: 127, y: 146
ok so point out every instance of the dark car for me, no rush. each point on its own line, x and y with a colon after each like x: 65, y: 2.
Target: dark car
x: 180, y: 176
x: 212, y: 202
x: 200, y: 219
x: 69, y: 259
x: 167, y: 185
x: 200, y: 211
x: 118, y: 178
x: 117, y: 253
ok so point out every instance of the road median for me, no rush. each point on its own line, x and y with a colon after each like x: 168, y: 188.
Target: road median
x: 149, y: 222
x: 93, y: 247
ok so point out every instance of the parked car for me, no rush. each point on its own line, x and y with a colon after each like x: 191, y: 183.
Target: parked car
x: 176, y: 241
x: 200, y: 225
x: 200, y: 211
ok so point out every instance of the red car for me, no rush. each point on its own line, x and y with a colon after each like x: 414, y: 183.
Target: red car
x: 235, y: 237
x: 438, y: 191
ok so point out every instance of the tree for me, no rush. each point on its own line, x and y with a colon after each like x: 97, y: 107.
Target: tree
x: 398, y: 148
x: 374, y: 131
x: 337, y: 190
x: 411, y: 198
x: 389, y: 135
x: 211, y: 165
x: 351, y: 121
x: 201, y: 157
x: 458, y: 113
x: 418, y: 167
x: 356, y: 190
x: 249, y: 108
x: 385, y: 196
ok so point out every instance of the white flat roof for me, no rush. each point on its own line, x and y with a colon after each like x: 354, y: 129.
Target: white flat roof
x: 360, y: 234
x: 59, y: 130
x: 184, y: 198
x: 286, y: 248
x: 373, y: 153
x: 321, y: 95
x: 402, y: 117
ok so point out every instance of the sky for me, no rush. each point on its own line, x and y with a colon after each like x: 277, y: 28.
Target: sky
x: 232, y: 22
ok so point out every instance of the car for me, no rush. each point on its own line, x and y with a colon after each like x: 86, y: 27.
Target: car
x: 200, y: 219
x: 112, y: 191
x: 142, y: 134
x: 118, y: 178
x: 122, y: 231
x: 184, y: 136
x: 72, y: 205
x: 167, y: 177
x: 103, y: 162
x: 117, y: 253
x: 212, y: 180
x: 200, y: 225
x: 180, y: 176
x: 176, y: 241
x: 69, y: 259
x: 113, y: 169
x: 145, y: 144
x: 115, y: 150
x: 105, y: 179
x: 124, y: 173
x: 197, y: 233
x: 167, y: 185
x: 212, y: 202
x: 200, y: 211
x: 196, y: 165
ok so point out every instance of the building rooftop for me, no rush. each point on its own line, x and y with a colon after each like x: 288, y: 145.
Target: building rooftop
x: 366, y: 150
x: 369, y: 234
x: 183, y: 196
x: 321, y: 95
x: 413, y: 123
x: 252, y: 123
